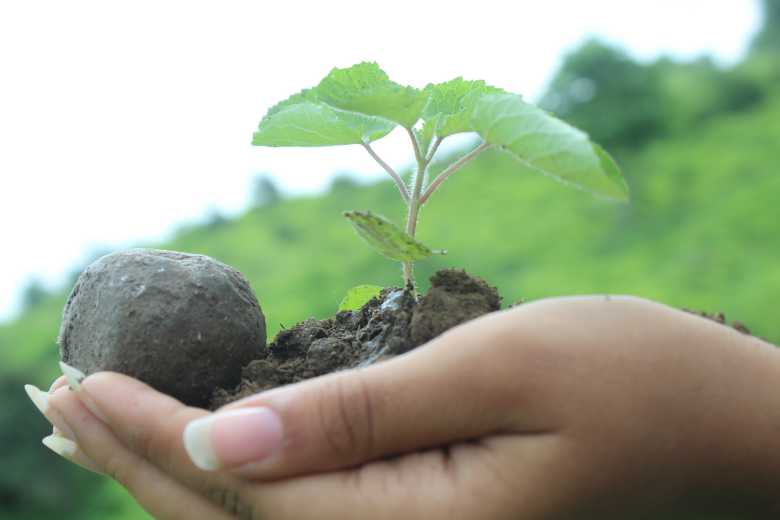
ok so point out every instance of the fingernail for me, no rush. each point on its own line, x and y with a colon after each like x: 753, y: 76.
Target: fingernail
x: 40, y: 399
x: 67, y: 449
x: 75, y: 377
x: 60, y: 445
x: 233, y: 438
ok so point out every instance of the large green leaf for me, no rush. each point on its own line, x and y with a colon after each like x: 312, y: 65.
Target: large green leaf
x: 387, y: 238
x: 451, y: 104
x: 547, y: 144
x: 359, y: 296
x: 365, y: 88
x: 304, y: 120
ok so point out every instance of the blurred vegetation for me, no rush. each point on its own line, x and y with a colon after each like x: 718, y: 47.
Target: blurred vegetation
x: 700, y: 146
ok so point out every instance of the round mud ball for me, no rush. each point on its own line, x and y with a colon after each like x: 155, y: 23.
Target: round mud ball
x: 184, y: 324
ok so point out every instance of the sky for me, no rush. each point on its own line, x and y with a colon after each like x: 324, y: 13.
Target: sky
x: 119, y: 121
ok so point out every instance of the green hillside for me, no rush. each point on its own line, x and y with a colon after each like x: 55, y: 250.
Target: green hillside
x: 702, y: 232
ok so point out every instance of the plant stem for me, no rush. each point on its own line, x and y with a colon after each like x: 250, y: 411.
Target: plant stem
x: 396, y: 178
x: 414, y: 206
x: 452, y: 168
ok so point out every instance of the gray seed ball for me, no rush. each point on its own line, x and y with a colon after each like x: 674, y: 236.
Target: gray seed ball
x: 184, y: 324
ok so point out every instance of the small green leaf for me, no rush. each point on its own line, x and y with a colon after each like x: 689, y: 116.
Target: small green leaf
x: 450, y: 104
x: 365, y: 88
x: 547, y: 145
x: 359, y: 296
x: 387, y: 238
x: 303, y: 120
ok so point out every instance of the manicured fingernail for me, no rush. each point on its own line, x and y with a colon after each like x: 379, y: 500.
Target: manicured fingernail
x: 233, y: 438
x: 60, y: 445
x: 75, y: 377
x: 40, y: 399
x: 67, y: 449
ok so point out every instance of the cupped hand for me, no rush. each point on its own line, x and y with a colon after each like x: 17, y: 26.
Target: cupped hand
x: 584, y: 407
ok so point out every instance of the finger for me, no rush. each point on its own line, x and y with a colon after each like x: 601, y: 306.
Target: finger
x: 70, y: 451
x: 439, y: 394
x: 61, y: 439
x: 162, y: 496
x: 151, y: 425
x: 500, y: 477
x: 58, y: 383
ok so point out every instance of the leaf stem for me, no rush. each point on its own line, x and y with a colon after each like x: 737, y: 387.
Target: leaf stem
x: 417, y: 154
x: 452, y: 168
x: 433, y: 149
x: 396, y: 178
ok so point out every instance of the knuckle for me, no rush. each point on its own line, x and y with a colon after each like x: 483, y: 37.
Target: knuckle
x: 346, y: 415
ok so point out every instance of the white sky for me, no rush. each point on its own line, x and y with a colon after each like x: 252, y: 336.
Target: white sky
x: 119, y: 120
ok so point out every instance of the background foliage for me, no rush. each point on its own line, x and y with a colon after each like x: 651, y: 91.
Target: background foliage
x: 699, y: 144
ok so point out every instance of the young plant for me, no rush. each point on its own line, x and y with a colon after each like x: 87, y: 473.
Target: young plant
x: 360, y: 104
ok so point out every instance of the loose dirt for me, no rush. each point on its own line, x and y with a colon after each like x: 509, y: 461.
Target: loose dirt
x: 388, y: 325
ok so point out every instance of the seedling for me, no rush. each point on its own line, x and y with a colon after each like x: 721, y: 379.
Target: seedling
x: 360, y: 104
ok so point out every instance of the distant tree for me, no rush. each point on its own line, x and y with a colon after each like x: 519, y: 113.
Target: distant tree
x: 768, y: 38
x: 624, y: 104
x: 264, y: 191
x: 600, y: 89
x: 215, y: 219
x: 695, y: 91
x: 763, y: 63
x: 343, y: 181
x: 33, y: 293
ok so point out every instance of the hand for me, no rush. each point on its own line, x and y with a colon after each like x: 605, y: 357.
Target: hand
x: 587, y: 407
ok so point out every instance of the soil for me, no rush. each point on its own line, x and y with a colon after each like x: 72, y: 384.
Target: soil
x: 388, y: 325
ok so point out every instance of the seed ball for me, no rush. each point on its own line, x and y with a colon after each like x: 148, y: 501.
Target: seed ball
x: 184, y: 324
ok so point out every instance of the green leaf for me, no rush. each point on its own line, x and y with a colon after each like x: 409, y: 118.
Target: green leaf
x: 365, y: 88
x: 303, y: 120
x: 359, y: 296
x: 451, y: 104
x: 548, y: 145
x: 387, y: 238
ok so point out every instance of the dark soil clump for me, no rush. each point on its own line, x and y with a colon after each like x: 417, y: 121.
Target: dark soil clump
x: 388, y: 325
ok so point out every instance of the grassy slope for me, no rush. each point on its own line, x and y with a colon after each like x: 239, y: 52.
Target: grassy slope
x: 702, y: 233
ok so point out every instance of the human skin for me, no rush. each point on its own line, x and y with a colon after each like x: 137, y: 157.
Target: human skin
x: 567, y: 408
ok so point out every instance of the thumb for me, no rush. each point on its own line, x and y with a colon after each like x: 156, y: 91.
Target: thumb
x: 450, y: 390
